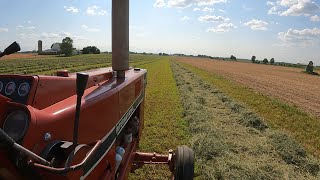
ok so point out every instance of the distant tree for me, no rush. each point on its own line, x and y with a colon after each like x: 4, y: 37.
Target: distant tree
x: 66, y: 46
x: 232, y: 57
x: 160, y: 54
x: 253, y: 59
x: 272, y: 61
x: 265, y: 61
x: 91, y: 50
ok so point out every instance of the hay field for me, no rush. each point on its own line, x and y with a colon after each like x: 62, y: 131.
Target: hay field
x: 226, y: 122
x: 284, y: 83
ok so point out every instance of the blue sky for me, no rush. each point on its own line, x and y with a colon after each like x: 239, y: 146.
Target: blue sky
x: 287, y: 30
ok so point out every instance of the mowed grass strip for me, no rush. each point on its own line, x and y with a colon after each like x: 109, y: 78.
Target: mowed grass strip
x: 164, y: 126
x: 232, y: 142
x: 278, y: 115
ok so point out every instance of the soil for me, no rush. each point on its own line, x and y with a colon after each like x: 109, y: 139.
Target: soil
x: 285, y: 83
x: 24, y: 56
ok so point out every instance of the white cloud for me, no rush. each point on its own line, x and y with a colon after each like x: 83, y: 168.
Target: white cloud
x: 209, y: 2
x: 220, y: 10
x: 59, y: 35
x: 196, y: 9
x: 30, y: 28
x: 257, y: 25
x: 86, y: 28
x: 207, y: 9
x: 102, y: 12
x: 49, y: 35
x: 302, y: 8
x: 4, y: 30
x: 208, y: 18
x: 274, y: 10
x: 64, y: 34
x: 80, y: 38
x: 71, y: 9
x: 25, y: 36
x: 95, y: 10
x: 185, y: 18
x: 188, y: 3
x: 294, y: 7
x: 159, y: 3
x: 270, y: 3
x: 180, y: 3
x: 315, y: 18
x: 306, y: 37
x: 224, y: 27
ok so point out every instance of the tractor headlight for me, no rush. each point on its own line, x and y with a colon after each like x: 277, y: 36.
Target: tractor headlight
x: 16, y: 124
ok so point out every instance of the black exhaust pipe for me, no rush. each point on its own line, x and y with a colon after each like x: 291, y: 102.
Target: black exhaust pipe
x: 14, y: 47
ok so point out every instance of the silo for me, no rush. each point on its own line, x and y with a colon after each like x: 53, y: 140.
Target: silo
x: 39, y: 46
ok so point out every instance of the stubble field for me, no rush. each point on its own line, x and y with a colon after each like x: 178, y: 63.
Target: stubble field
x: 287, y: 84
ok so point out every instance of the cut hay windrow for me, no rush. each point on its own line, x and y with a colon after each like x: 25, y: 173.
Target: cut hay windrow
x: 278, y: 114
x: 231, y: 141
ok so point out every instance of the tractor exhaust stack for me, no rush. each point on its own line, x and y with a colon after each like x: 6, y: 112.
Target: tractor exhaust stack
x: 120, y: 37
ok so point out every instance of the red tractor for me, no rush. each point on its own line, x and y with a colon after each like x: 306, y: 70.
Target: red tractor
x: 83, y: 125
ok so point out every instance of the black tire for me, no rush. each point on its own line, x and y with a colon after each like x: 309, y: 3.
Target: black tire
x: 184, y: 163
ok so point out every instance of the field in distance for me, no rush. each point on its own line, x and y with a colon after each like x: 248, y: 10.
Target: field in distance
x: 48, y: 65
x: 284, y: 83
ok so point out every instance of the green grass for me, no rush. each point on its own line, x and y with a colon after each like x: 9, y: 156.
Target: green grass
x: 164, y: 126
x: 281, y: 116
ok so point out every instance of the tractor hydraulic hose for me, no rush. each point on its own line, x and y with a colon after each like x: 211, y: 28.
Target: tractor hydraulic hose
x: 10, y: 143
x: 6, y: 140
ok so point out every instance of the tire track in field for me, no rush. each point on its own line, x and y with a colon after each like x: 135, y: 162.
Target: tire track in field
x: 231, y: 142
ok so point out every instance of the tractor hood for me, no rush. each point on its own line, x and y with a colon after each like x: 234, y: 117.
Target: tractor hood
x: 53, y: 89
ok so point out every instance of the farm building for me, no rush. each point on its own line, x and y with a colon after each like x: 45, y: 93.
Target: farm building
x: 55, y: 49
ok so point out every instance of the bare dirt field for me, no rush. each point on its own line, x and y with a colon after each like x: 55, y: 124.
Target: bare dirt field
x: 284, y: 83
x: 23, y: 56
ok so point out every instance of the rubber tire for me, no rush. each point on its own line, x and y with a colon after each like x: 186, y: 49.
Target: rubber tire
x: 184, y: 163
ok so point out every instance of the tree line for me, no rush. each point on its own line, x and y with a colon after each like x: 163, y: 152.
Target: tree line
x: 67, y: 48
x: 264, y: 61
